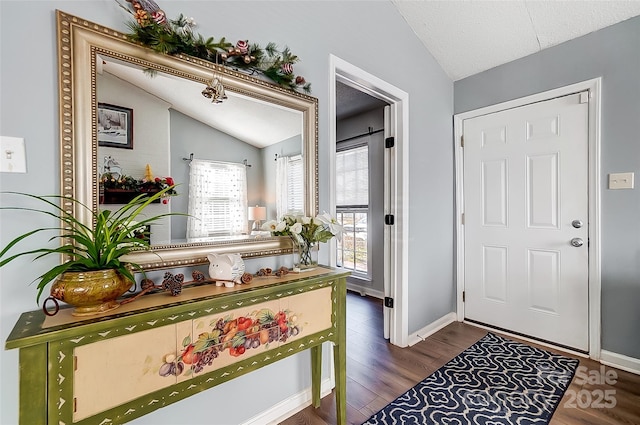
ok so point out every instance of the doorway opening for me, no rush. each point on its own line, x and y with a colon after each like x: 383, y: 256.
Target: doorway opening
x: 391, y: 221
x: 360, y: 188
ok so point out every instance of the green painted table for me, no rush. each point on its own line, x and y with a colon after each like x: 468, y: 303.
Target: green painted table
x: 73, y: 371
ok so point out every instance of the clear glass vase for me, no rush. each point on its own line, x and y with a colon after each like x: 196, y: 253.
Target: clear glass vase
x: 305, y: 254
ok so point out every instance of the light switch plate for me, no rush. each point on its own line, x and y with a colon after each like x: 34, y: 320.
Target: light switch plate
x: 12, y: 155
x: 621, y: 181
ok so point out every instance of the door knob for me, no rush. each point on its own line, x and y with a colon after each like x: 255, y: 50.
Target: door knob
x: 576, y: 223
x: 577, y: 242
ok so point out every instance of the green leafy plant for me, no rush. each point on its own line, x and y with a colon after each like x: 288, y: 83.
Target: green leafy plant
x: 113, y: 235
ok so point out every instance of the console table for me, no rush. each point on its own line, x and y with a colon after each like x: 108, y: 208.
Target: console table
x: 73, y: 371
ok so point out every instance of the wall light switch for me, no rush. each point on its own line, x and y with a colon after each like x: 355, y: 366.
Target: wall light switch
x: 621, y: 181
x: 12, y: 155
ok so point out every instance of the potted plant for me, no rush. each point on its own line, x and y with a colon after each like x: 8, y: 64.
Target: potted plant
x: 94, y: 275
x: 306, y: 233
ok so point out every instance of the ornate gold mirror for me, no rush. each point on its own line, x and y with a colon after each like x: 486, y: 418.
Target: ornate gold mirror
x: 97, y: 63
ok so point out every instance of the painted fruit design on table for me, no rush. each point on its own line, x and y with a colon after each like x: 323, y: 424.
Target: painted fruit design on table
x: 236, y: 334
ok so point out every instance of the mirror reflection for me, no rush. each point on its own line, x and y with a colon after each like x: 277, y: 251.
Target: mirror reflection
x: 226, y: 158
x: 164, y: 134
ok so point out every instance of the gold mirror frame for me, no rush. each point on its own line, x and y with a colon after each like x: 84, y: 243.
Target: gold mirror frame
x: 79, y: 41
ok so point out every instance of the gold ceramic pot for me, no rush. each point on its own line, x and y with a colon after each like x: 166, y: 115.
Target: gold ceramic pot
x: 91, y: 292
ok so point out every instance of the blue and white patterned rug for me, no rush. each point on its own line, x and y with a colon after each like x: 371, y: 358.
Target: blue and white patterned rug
x: 495, y: 381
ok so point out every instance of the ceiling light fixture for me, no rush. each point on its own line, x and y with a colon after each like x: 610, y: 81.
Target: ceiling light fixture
x: 215, y: 89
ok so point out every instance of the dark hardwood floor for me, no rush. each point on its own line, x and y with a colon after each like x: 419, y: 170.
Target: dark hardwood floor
x: 378, y: 372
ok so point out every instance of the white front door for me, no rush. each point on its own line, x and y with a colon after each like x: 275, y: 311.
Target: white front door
x: 525, y: 218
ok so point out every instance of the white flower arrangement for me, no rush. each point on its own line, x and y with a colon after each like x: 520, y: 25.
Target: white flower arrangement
x: 308, y: 230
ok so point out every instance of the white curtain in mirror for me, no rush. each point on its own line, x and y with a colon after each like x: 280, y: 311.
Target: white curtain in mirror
x: 289, y: 185
x: 217, y: 199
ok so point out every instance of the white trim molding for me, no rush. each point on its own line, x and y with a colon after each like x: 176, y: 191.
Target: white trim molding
x: 620, y: 361
x: 343, y: 71
x: 365, y: 290
x: 289, y: 407
x: 594, y: 88
x: 431, y: 328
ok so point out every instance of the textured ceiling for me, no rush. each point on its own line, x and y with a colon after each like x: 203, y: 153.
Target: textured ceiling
x: 467, y: 37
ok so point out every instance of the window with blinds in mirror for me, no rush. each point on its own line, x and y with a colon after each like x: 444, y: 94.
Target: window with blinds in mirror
x: 217, y: 200
x: 289, y: 185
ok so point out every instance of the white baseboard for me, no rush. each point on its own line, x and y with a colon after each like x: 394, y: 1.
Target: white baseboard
x: 620, y: 361
x: 431, y: 328
x: 289, y: 407
x: 363, y: 290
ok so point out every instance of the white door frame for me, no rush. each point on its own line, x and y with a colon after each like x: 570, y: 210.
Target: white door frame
x: 398, y: 259
x: 593, y: 86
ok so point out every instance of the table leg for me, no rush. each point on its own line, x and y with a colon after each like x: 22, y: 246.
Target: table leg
x: 316, y: 374
x: 340, y: 351
x: 33, y: 384
x: 341, y: 383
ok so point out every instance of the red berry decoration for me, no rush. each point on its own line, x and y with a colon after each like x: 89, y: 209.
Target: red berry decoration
x: 287, y: 68
x: 159, y: 17
x: 242, y: 46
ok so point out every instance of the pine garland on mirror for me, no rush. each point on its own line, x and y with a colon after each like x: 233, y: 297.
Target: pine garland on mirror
x: 152, y: 29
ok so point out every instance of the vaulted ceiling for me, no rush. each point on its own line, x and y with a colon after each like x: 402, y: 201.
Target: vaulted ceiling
x: 471, y: 36
x: 464, y: 36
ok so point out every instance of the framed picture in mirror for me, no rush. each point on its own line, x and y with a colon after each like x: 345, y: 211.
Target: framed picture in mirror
x: 115, y: 126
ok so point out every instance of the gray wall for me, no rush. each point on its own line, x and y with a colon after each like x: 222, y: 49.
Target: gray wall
x: 612, y: 53
x: 313, y: 30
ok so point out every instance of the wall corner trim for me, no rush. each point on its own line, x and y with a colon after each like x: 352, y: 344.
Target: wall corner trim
x: 620, y: 361
x: 431, y: 328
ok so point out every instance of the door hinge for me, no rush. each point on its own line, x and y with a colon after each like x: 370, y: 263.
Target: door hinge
x: 75, y: 405
x: 389, y: 219
x: 389, y: 142
x: 462, y: 141
x: 75, y: 362
x: 463, y: 296
x: 462, y: 218
x: 388, y: 302
x: 584, y: 97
